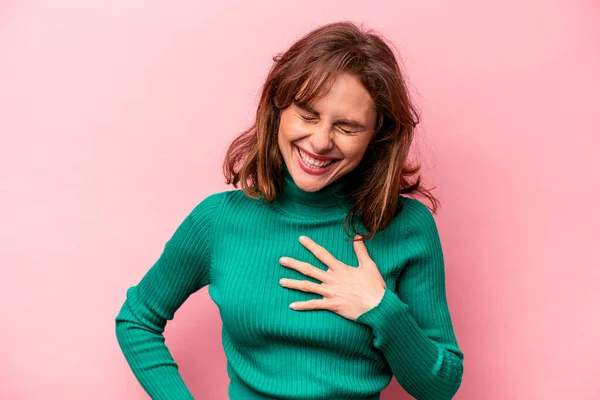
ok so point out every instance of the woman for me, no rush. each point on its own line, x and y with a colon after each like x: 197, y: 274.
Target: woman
x: 327, y: 279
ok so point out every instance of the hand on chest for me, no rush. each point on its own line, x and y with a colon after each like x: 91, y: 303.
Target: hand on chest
x: 330, y: 279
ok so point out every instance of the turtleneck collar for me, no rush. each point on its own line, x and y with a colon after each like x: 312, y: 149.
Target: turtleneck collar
x: 330, y: 200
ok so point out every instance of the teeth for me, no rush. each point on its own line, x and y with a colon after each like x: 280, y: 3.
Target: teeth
x: 312, y: 162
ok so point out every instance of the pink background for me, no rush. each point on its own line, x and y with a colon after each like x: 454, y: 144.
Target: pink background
x: 115, y: 116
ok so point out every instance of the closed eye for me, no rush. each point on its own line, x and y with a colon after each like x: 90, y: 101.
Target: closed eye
x: 345, y: 131
x: 307, y: 118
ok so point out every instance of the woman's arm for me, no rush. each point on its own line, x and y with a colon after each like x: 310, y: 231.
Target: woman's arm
x: 412, y: 324
x: 182, y: 269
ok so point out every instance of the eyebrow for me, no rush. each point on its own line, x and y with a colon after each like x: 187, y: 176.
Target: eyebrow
x: 347, y: 122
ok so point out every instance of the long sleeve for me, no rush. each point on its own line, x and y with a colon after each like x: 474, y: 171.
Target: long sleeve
x: 182, y: 269
x: 412, y: 324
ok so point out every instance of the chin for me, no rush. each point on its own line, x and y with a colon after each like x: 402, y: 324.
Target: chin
x: 312, y: 188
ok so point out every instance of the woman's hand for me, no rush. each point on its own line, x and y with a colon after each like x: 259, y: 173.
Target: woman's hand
x: 347, y: 291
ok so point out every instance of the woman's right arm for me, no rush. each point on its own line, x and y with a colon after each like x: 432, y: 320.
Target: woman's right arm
x: 182, y: 269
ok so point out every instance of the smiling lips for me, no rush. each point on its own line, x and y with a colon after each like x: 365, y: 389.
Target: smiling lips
x: 313, y: 158
x: 312, y: 165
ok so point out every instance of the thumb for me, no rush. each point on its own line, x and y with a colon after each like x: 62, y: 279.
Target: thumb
x: 361, y: 252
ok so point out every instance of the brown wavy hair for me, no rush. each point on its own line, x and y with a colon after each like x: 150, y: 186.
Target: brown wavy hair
x: 254, y: 159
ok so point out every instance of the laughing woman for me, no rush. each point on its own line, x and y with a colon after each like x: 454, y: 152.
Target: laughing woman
x: 329, y: 279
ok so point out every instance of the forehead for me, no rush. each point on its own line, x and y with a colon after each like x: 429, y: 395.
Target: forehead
x: 343, y: 94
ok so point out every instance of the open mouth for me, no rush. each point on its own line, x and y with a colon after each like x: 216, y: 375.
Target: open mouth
x: 312, y: 164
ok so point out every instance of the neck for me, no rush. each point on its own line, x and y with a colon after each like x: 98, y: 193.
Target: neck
x: 329, y: 200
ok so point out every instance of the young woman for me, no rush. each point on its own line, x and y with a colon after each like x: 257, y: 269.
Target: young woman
x: 328, y: 279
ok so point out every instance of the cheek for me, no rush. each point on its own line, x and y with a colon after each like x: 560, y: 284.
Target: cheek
x: 354, y: 149
x: 291, y: 130
x: 284, y: 123
x: 286, y: 134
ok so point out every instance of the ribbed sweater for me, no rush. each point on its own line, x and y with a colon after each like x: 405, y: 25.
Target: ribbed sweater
x: 232, y: 244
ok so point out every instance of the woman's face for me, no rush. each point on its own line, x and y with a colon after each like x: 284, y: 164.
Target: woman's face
x: 337, y: 126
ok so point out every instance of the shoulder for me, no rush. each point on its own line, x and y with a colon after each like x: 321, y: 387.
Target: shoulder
x: 209, y: 207
x: 213, y: 205
x: 415, y: 217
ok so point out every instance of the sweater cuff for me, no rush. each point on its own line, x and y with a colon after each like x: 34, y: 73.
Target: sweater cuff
x: 388, y: 314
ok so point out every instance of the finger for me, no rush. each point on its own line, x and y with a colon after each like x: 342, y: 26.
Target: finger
x: 304, y: 268
x: 319, y: 251
x: 304, y: 286
x: 362, y: 254
x: 316, y: 304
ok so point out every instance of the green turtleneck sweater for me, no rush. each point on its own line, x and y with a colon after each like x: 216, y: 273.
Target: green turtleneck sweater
x: 232, y: 244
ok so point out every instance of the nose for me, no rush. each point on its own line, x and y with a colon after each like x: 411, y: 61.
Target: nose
x: 321, y: 139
